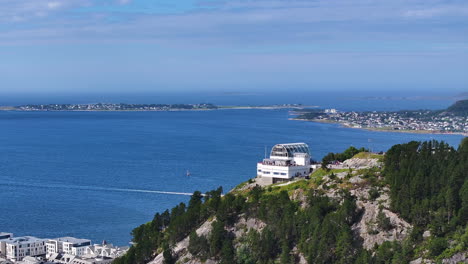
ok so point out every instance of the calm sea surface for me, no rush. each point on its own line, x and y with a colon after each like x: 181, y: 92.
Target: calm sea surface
x: 85, y: 174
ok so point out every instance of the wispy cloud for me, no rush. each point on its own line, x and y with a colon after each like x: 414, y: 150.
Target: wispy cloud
x: 437, y: 12
x: 266, y: 40
x: 29, y: 10
x: 123, y: 2
x: 231, y: 24
x: 54, y: 4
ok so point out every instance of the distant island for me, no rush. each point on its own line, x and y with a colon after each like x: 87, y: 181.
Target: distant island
x: 142, y: 107
x: 454, y: 119
x: 110, y: 107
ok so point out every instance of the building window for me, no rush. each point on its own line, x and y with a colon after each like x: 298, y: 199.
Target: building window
x: 266, y: 172
x: 276, y: 173
x: 283, y: 173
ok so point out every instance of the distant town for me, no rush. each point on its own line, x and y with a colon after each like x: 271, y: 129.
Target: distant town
x: 111, y: 107
x: 451, y: 120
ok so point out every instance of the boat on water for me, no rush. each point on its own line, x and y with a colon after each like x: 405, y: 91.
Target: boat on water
x: 188, y: 173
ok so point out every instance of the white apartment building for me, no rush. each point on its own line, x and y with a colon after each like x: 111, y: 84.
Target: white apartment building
x: 67, y: 245
x: 16, y: 248
x: 3, y: 236
x: 286, y: 162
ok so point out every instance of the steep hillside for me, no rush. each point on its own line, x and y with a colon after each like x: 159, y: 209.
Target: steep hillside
x: 410, y: 207
x: 460, y: 108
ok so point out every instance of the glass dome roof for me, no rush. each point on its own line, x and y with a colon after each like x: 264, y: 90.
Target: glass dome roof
x: 288, y: 150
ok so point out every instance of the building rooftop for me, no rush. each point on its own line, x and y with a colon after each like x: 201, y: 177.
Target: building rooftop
x: 289, y: 149
x: 71, y: 240
x: 22, y: 240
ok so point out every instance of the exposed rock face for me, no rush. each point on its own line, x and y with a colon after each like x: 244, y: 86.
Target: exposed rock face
x: 361, y: 163
x: 299, y: 195
x: 427, y: 234
x: 180, y: 248
x: 300, y: 257
x: 461, y: 257
x: 243, y: 226
x: 367, y: 228
x: 240, y: 228
x: 419, y: 261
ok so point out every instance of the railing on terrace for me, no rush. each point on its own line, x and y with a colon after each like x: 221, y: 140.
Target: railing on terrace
x: 279, y: 165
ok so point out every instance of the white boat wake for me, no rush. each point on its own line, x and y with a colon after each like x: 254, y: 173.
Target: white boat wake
x: 91, y: 188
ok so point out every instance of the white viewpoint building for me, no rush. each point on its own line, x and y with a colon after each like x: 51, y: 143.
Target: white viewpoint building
x: 286, y: 162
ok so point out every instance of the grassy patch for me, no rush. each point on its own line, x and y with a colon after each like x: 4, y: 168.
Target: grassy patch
x: 368, y: 155
x: 238, y: 189
x: 322, y: 172
x: 300, y: 184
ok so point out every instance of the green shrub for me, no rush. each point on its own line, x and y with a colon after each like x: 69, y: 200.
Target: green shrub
x: 437, y: 246
x: 373, y: 194
x: 383, y: 222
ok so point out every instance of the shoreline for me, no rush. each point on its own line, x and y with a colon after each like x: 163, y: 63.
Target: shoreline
x: 266, y: 107
x: 381, y: 129
x: 171, y: 110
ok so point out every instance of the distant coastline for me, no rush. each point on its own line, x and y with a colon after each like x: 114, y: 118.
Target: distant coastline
x: 450, y: 121
x: 381, y: 129
x: 111, y: 107
x: 269, y: 107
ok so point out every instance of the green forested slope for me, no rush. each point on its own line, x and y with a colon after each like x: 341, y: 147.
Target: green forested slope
x: 428, y: 185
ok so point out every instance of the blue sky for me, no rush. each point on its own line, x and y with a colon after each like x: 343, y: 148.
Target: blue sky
x: 49, y: 46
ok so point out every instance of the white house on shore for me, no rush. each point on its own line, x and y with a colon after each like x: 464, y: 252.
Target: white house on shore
x: 286, y: 162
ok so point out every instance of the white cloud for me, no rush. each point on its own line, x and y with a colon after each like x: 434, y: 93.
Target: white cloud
x: 123, y: 2
x: 28, y: 10
x: 437, y: 11
x: 54, y: 5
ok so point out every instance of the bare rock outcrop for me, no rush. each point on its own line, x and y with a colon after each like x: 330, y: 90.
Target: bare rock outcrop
x: 239, y: 229
x: 368, y: 228
x: 300, y: 196
x: 180, y: 248
x: 243, y: 226
x: 461, y: 257
x: 361, y: 163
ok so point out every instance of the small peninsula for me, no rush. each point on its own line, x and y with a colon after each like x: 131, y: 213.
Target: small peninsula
x: 453, y: 120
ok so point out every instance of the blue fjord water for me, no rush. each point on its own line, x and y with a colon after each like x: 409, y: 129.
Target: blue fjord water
x: 85, y: 174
